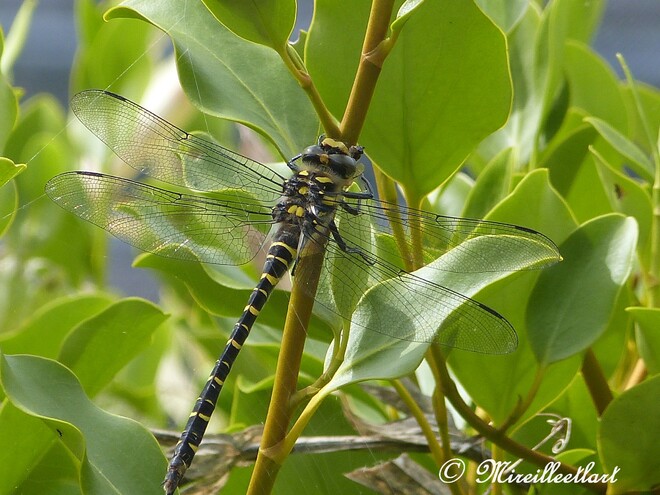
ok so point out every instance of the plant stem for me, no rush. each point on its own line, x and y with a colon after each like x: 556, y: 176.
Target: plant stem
x: 596, y: 382
x: 441, y: 417
x: 637, y: 375
x: 387, y: 192
x: 522, y: 406
x: 418, y: 414
x: 415, y: 201
x: 271, y: 453
x: 368, y: 71
x: 273, y: 448
x: 298, y: 70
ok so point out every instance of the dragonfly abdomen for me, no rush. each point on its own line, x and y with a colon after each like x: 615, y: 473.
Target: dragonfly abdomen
x: 281, y: 253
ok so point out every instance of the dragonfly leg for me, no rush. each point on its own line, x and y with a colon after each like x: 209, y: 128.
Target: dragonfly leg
x: 292, y: 165
x: 347, y: 249
x: 360, y: 195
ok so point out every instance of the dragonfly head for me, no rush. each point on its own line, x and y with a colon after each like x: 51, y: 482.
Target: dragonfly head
x: 334, y: 157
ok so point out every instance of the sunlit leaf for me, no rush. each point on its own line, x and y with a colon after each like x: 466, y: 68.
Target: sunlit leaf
x: 371, y: 354
x: 266, y: 22
x: 639, y: 162
x: 572, y: 301
x: 224, y: 75
x: 428, y: 111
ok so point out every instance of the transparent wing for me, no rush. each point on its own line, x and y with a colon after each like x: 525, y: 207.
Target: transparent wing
x: 439, y: 234
x: 229, y: 229
x: 156, y: 148
x: 433, y: 312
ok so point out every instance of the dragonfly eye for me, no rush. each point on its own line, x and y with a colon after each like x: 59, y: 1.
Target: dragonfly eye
x: 313, y: 153
x: 338, y: 163
x: 343, y: 165
x: 334, y: 155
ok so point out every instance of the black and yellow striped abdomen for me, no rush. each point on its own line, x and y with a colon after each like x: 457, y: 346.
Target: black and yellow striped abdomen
x: 281, y: 254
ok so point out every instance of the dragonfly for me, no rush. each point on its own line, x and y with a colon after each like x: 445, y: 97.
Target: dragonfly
x: 232, y: 208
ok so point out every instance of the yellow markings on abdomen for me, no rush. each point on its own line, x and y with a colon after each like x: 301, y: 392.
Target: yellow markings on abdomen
x: 291, y: 250
x: 201, y: 416
x: 251, y: 309
x: 285, y: 262
x: 273, y: 280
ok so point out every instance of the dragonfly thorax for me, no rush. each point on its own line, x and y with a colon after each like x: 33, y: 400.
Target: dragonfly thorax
x: 334, y: 159
x: 308, y: 196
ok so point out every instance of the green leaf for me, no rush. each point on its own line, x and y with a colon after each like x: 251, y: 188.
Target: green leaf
x: 429, y: 110
x: 371, y: 354
x: 496, y: 383
x: 563, y: 20
x: 576, y: 403
x: 628, y: 197
x: 58, y: 470
x: 628, y: 438
x: 611, y: 348
x: 108, y: 60
x: 9, y: 170
x: 322, y: 51
x: 535, y: 204
x: 505, y: 13
x: 43, y: 333
x: 9, y: 106
x: 648, y: 336
x: 343, y: 270
x: 117, y: 455
x: 407, y: 9
x: 427, y: 101
x: 491, y: 185
x: 450, y: 198
x: 208, y: 292
x: 27, y: 440
x: 649, y: 103
x: 8, y: 193
x: 219, y: 296
x: 267, y: 22
x: 585, y: 70
x: 571, y: 304
x: 576, y: 21
x: 573, y: 173
x: 565, y: 158
x: 639, y: 162
x: 524, y: 122
x: 41, y: 116
x: 99, y: 347
x: 228, y: 77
